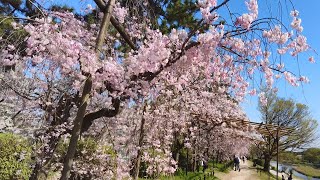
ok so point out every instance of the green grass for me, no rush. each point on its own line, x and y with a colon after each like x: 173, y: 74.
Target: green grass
x: 190, y: 176
x: 308, y: 170
x: 181, y: 174
x: 261, y: 174
x: 220, y: 167
x: 265, y: 176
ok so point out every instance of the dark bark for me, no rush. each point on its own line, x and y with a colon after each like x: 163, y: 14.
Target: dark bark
x: 104, y: 25
x: 101, y: 4
x: 266, y: 166
x: 139, y: 154
x: 76, y: 129
x: 90, y: 117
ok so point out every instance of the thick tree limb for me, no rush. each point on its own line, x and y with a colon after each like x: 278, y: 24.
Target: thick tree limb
x: 78, y: 121
x: 76, y: 130
x: 122, y: 32
x: 116, y: 24
x: 101, y: 4
x: 90, y: 117
x: 104, y: 25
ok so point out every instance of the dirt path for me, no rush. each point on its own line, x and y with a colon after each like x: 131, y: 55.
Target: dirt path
x: 247, y: 172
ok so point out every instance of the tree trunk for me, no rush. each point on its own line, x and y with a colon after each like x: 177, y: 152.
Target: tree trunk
x: 266, y: 166
x: 85, y: 96
x: 35, y: 172
x: 138, y: 159
x: 76, y: 129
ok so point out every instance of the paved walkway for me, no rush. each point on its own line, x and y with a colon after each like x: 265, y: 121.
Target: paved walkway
x: 247, y: 172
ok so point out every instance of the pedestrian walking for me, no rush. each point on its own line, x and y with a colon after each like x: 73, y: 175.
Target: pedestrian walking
x: 236, y: 162
x: 205, y: 165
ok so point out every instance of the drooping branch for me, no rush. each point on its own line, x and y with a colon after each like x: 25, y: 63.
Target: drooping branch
x: 14, y: 116
x: 122, y: 32
x: 200, y: 23
x: 140, y: 143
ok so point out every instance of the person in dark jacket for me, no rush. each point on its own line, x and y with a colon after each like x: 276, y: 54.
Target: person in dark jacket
x: 243, y: 159
x: 236, y: 162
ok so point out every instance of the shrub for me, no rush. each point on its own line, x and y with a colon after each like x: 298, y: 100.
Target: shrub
x: 258, y: 162
x: 15, y: 157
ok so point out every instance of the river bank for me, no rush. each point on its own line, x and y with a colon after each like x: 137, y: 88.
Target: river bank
x: 287, y: 167
x: 307, y: 170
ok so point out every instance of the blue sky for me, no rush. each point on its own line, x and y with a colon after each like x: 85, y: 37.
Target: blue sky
x: 309, y: 13
x: 309, y: 94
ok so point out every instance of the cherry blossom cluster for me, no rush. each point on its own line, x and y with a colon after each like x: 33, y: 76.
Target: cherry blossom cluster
x: 120, y: 12
x: 205, y: 8
x: 296, y: 22
x: 246, y: 19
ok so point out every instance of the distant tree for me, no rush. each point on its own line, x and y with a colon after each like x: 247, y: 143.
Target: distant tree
x: 289, y: 157
x: 9, y: 6
x: 168, y: 11
x: 286, y: 114
x: 312, y: 155
x: 12, y: 7
x: 255, y: 151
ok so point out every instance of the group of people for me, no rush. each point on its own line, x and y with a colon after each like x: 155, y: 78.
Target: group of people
x: 236, y: 162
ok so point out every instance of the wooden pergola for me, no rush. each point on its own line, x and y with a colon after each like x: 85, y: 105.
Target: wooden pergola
x: 275, y: 131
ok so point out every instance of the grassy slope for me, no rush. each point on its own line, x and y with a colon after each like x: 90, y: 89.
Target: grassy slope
x: 307, y: 170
